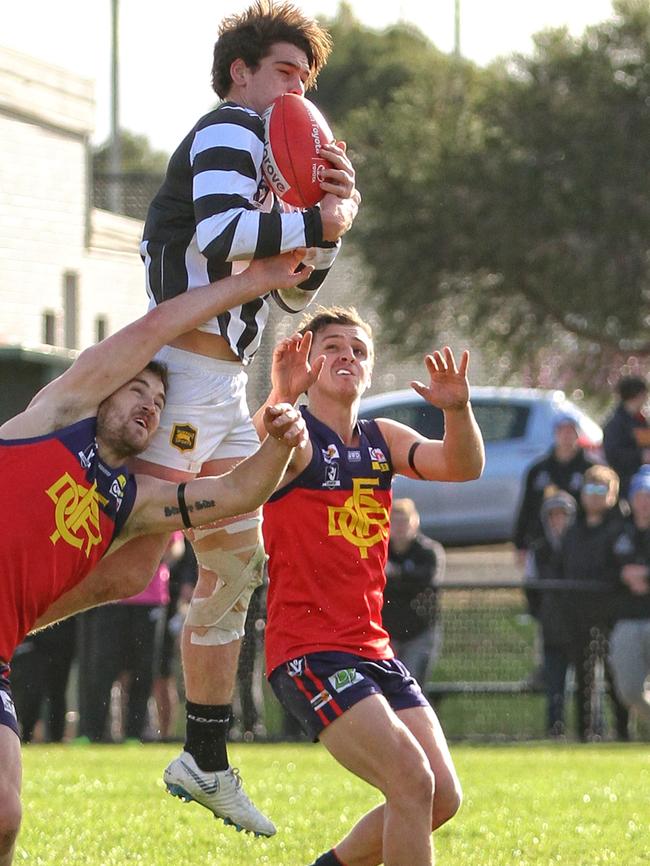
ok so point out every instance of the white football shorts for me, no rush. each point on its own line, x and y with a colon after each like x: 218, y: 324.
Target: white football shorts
x: 205, y: 417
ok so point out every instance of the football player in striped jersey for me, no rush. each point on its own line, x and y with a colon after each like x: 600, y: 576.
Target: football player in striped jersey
x: 213, y: 214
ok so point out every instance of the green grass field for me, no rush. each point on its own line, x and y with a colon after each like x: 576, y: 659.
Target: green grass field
x: 524, y: 804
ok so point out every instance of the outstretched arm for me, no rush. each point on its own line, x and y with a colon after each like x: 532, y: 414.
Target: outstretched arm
x: 106, y: 366
x: 291, y: 374
x: 243, y: 489
x: 460, y: 455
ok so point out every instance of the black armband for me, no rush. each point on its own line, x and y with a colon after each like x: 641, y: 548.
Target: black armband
x: 411, y: 455
x: 182, y: 507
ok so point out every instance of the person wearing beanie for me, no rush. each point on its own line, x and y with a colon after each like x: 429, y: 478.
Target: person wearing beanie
x: 630, y: 640
x: 626, y: 433
x: 563, y: 468
x: 544, y: 563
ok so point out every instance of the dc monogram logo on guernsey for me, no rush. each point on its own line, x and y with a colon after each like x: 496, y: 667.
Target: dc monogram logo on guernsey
x: 76, y: 514
x: 362, y: 520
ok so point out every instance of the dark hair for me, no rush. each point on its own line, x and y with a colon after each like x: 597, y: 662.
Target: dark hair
x: 251, y: 35
x: 630, y: 387
x: 161, y: 370
x: 325, y: 316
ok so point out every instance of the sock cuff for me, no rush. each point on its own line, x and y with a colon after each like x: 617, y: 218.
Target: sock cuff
x: 208, y: 713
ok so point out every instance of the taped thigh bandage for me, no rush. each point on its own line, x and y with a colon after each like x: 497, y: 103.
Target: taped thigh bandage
x: 225, y: 610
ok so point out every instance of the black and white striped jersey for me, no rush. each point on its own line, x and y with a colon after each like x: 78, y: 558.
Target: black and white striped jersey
x: 214, y: 213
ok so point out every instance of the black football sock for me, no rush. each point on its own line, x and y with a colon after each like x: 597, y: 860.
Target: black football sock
x: 205, y: 734
x: 328, y: 859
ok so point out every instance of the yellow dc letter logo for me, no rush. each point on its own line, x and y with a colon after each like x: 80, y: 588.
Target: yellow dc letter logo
x: 77, y: 513
x: 362, y: 520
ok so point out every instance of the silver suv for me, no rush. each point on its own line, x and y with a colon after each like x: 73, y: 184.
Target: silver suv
x: 517, y: 426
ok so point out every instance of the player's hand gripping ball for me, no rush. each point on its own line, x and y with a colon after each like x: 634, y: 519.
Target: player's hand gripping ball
x: 294, y: 133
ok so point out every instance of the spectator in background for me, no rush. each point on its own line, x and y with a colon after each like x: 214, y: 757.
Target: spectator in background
x: 414, y: 564
x: 630, y: 640
x: 40, y: 672
x: 626, y: 433
x: 125, y: 639
x: 544, y: 562
x: 250, y: 676
x: 588, y: 554
x: 563, y: 467
x: 183, y: 574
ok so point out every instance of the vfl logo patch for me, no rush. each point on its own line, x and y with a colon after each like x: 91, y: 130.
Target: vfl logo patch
x: 332, y: 478
x: 362, y: 520
x: 77, y: 513
x: 342, y: 680
x: 183, y: 437
x: 354, y: 455
x: 295, y: 667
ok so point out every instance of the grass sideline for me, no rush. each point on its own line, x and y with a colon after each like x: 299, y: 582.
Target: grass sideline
x: 524, y: 804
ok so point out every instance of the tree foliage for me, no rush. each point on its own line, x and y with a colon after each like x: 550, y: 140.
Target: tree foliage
x: 137, y: 155
x: 515, y: 198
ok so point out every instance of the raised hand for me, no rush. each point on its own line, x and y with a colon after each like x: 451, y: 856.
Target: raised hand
x: 279, y: 272
x: 291, y: 372
x: 448, y: 387
x: 286, y: 424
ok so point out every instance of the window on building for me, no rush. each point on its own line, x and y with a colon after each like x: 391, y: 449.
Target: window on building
x: 71, y: 308
x: 101, y: 328
x: 49, y: 328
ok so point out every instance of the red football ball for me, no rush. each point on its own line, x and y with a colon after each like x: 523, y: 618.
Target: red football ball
x: 294, y: 133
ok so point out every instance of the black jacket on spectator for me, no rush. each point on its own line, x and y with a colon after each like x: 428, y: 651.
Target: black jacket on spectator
x: 632, y: 546
x: 546, y: 472
x: 588, y: 554
x: 548, y: 606
x: 621, y: 449
x: 410, y: 596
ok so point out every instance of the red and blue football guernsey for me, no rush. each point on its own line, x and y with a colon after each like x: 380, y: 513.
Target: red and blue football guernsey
x: 63, y: 506
x: 326, y: 534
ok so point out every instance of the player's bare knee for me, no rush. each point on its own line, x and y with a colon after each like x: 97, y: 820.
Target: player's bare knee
x: 447, y: 801
x: 419, y: 791
x: 10, y: 818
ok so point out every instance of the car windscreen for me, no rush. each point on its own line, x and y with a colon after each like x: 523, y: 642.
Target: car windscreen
x: 498, y: 421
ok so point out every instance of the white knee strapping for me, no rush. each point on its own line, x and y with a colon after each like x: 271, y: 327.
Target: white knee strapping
x: 230, y: 528
x: 231, y: 626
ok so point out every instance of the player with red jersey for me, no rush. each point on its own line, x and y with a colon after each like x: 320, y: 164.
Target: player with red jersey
x: 326, y: 531
x: 69, y: 497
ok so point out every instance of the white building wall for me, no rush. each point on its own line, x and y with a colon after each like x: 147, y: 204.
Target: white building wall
x: 43, y: 183
x: 46, y: 226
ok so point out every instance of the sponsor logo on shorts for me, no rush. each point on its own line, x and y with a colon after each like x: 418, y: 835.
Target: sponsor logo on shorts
x: 319, y: 700
x: 295, y: 667
x: 183, y: 437
x: 342, y: 680
x: 8, y: 704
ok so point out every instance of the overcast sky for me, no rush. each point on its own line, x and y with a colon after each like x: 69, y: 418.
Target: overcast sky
x: 166, y: 58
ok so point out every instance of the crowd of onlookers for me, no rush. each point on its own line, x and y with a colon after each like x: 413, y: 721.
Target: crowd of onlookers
x: 583, y: 535
x: 583, y: 542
